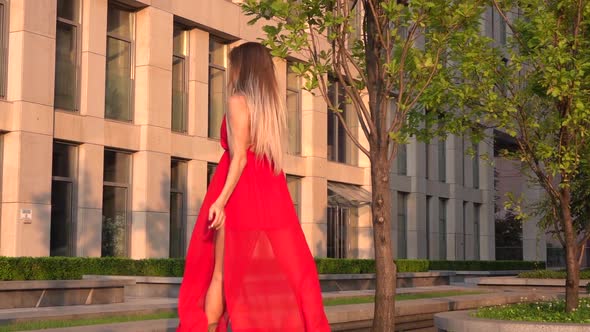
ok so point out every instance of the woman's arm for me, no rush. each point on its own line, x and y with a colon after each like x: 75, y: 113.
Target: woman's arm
x: 238, y: 118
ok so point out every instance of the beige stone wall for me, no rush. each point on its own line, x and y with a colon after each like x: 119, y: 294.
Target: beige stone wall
x: 30, y: 125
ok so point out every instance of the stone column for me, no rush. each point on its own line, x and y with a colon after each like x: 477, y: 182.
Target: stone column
x: 90, y: 155
x: 314, y: 185
x: 28, y: 148
x: 151, y: 165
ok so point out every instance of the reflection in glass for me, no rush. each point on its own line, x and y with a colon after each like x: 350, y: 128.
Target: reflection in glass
x: 118, y: 80
x: 114, y: 222
x: 66, y: 66
x: 61, y: 218
x: 216, y: 100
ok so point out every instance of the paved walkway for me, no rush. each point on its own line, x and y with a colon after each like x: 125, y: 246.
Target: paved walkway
x: 336, y: 314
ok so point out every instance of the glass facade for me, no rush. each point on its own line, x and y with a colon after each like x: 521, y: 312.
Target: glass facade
x: 67, y: 55
x: 217, y: 85
x: 180, y: 79
x: 64, y: 169
x: 293, y: 111
x: 115, y: 204
x: 119, y: 63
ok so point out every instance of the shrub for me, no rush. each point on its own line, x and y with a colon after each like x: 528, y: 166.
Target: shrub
x: 551, y: 274
x: 486, y: 265
x: 65, y: 268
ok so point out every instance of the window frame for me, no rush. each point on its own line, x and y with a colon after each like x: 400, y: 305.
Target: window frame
x: 477, y: 229
x: 298, y: 198
x: 402, y: 212
x: 210, y: 133
x: 78, y: 26
x: 476, y: 165
x: 74, y: 203
x: 442, y: 233
x: 298, y: 111
x: 132, y: 55
x: 428, y: 215
x: 128, y: 186
x: 183, y: 169
x: 4, y: 44
x: 185, y: 81
x: 442, y: 160
x: 335, y: 93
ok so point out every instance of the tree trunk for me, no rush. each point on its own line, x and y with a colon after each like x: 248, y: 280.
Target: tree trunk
x: 581, y: 251
x: 384, y: 317
x: 572, y: 280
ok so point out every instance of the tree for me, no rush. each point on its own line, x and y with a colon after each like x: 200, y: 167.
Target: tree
x: 580, y: 207
x: 393, y: 65
x: 542, y: 99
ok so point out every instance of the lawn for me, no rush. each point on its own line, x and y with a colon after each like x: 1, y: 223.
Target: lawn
x: 51, y: 324
x: 550, y: 311
x: 400, y: 297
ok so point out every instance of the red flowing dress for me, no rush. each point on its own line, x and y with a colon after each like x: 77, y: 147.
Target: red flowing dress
x: 270, y: 278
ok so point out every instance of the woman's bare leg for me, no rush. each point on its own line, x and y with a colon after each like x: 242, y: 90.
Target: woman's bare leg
x: 214, y: 297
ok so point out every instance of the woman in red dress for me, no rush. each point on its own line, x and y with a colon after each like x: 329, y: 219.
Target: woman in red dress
x: 248, y: 263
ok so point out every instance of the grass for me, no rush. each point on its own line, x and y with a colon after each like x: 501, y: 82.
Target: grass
x: 50, y: 324
x: 549, y: 312
x: 400, y: 297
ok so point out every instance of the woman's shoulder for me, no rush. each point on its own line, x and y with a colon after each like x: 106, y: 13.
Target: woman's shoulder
x: 237, y: 101
x: 238, y: 108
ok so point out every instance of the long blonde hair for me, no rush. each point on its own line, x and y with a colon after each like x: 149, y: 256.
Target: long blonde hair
x: 252, y: 74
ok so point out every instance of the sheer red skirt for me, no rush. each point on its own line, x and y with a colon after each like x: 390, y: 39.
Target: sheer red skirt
x: 270, y: 279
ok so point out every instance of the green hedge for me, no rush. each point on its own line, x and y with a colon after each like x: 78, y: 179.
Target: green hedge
x: 65, y: 268
x: 352, y: 266
x: 486, y: 265
x: 551, y: 274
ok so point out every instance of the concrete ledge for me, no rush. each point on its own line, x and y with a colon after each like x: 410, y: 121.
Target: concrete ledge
x: 461, y: 321
x: 145, y: 286
x: 509, y: 282
x: 49, y: 293
x: 418, y: 314
x: 345, y: 282
x: 170, y: 286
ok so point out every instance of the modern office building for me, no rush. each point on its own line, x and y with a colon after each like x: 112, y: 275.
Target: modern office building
x: 109, y: 122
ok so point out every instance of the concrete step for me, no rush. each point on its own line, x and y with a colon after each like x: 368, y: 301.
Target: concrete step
x: 412, y: 314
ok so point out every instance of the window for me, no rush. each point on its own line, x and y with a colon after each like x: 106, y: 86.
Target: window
x: 402, y: 225
x: 115, y: 203
x: 119, y: 72
x: 442, y: 160
x: 180, y: 79
x: 475, y: 165
x: 402, y: 159
x: 462, y: 254
x: 293, y: 110
x: 66, y: 55
x: 356, y: 23
x: 294, y: 184
x: 476, y: 218
x: 428, y: 201
x: 62, y: 235
x: 427, y: 160
x: 497, y: 27
x: 217, y: 85
x: 340, y: 147
x: 338, y: 218
x: 177, y: 207
x: 3, y: 46
x: 442, y: 228
x: 211, y: 168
